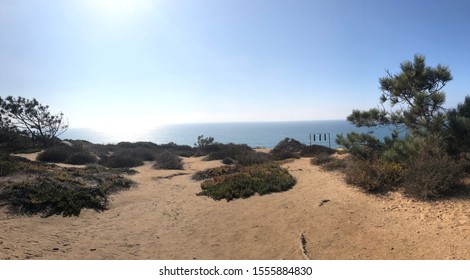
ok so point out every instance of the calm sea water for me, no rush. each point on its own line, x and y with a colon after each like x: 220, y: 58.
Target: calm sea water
x: 261, y: 134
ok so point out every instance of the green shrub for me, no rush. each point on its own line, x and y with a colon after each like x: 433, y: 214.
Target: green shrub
x: 221, y: 151
x: 56, y: 154
x: 12, y: 141
x: 373, y: 175
x: 7, y: 165
x: 120, y: 161
x: 315, y: 150
x: 335, y: 164
x: 431, y: 176
x: 287, y: 148
x: 204, y: 141
x: 55, y: 190
x: 361, y: 145
x: 143, y: 154
x: 216, y: 172
x: 252, y: 158
x: 80, y: 158
x: 168, y: 160
x: 228, y: 160
x: 113, y: 184
x: 329, y: 163
x: 261, y: 179
x: 49, y: 196
x: 321, y: 159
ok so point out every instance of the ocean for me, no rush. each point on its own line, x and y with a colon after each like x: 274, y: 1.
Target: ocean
x: 254, y: 134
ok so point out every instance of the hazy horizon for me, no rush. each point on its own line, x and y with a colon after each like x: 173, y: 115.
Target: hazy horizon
x: 108, y: 64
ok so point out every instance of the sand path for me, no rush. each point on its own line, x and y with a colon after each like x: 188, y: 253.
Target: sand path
x: 162, y: 218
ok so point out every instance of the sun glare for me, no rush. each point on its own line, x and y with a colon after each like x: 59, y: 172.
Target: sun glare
x: 118, y: 10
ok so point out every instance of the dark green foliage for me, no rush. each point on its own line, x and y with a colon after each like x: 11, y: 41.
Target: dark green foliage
x: 121, y: 155
x: 370, y: 118
x: 314, y: 150
x: 56, y: 154
x: 261, y: 179
x: 329, y: 163
x: 336, y: 164
x: 374, y: 175
x: 287, y: 148
x: 53, y: 190
x: 230, y: 153
x: 140, y: 153
x: 65, y: 153
x: 228, y: 160
x: 252, y: 158
x: 49, y: 196
x: 81, y: 158
x: 321, y: 159
x: 168, y: 160
x: 220, y: 151
x: 32, y: 119
x: 10, y: 165
x: 12, y: 141
x: 216, y: 172
x: 417, y: 91
x: 420, y: 166
x: 458, y: 129
x: 120, y: 161
x: 7, y: 165
x: 360, y: 145
x: 426, y: 163
x: 180, y: 150
x: 204, y: 141
x: 432, y: 173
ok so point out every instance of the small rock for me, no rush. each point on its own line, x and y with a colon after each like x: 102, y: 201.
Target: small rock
x: 55, y: 249
x: 92, y: 249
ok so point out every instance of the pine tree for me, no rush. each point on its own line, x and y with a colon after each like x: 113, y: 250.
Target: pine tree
x: 31, y: 118
x: 411, y: 100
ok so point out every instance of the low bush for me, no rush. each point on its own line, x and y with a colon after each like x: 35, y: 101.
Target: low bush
x: 261, y: 179
x: 8, y: 165
x: 168, y: 160
x: 120, y: 161
x: 12, y: 141
x: 335, y: 164
x: 287, y: 148
x: 315, y: 150
x: 80, y: 158
x: 221, y: 151
x: 49, y: 196
x: 180, y: 150
x: 56, y: 154
x: 431, y: 176
x: 143, y: 154
x: 228, y: 160
x: 53, y: 190
x: 113, y: 184
x: 373, y: 175
x: 252, y: 158
x: 216, y: 172
x: 329, y: 163
x: 321, y: 159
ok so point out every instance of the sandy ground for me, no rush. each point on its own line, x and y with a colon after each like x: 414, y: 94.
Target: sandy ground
x: 162, y: 218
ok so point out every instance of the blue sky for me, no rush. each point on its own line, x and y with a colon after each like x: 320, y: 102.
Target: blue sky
x: 141, y: 63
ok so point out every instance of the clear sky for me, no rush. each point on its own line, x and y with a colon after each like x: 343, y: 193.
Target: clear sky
x: 107, y: 63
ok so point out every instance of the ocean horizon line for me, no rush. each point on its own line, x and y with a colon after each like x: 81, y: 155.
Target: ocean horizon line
x: 216, y: 122
x: 254, y: 134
